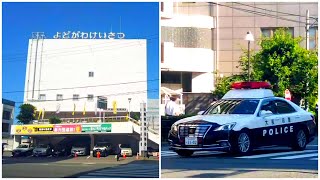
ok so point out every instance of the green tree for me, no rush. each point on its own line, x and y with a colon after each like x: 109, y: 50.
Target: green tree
x: 54, y: 120
x: 224, y: 84
x: 287, y: 65
x: 26, y: 114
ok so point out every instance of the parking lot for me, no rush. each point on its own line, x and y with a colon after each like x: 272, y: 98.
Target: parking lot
x: 57, y: 167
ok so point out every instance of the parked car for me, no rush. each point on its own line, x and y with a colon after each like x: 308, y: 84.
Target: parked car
x: 23, y: 150
x: 62, y: 151
x: 81, y: 150
x: 105, y: 149
x: 42, y: 150
x: 152, y: 151
x: 126, y: 149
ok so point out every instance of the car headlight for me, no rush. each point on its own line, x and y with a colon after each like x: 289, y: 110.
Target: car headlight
x: 226, y: 127
x: 174, y: 127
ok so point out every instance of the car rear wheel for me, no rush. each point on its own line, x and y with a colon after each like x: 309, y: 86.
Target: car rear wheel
x: 300, y: 140
x: 242, y: 144
x: 184, y: 153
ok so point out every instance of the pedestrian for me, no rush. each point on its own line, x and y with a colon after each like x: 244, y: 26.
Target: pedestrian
x: 118, y: 151
x: 172, y: 108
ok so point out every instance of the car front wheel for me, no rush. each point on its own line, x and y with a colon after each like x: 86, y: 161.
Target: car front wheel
x: 300, y: 141
x: 184, y: 153
x: 242, y: 144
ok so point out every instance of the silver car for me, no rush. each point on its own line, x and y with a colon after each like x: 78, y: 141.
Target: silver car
x: 79, y: 150
x: 42, y: 150
x: 126, y: 149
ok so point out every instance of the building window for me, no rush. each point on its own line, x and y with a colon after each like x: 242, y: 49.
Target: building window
x: 91, y: 74
x: 269, y: 31
x: 90, y: 97
x: 6, y: 115
x: 313, y: 37
x: 76, y: 97
x: 5, y: 127
x: 187, y: 37
x: 42, y: 97
x: 59, y: 97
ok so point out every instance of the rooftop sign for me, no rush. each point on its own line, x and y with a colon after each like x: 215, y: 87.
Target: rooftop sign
x: 88, y: 35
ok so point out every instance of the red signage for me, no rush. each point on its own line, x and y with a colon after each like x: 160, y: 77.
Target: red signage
x: 287, y: 95
x: 67, y: 128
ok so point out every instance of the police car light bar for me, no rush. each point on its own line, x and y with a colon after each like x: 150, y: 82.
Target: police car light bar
x: 251, y: 85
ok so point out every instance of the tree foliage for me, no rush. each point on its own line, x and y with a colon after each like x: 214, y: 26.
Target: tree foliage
x: 54, y: 120
x: 26, y: 114
x: 287, y: 65
x: 282, y: 62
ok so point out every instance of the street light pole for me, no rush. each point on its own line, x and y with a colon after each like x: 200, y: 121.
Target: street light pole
x: 249, y: 37
x: 129, y: 99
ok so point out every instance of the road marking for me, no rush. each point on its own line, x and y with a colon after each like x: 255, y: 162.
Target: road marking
x: 89, y: 163
x: 297, y: 156
x: 275, y: 154
x: 314, y: 159
x: 171, y: 153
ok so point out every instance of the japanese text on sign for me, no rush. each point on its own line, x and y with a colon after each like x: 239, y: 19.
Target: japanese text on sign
x: 88, y: 35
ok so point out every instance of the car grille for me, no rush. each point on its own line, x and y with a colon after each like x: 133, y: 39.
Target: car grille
x: 192, y: 130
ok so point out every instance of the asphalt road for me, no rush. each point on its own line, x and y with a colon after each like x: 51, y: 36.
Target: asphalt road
x: 276, y: 162
x: 53, y: 167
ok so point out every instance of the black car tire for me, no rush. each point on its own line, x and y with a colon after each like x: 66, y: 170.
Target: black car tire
x: 242, y: 143
x: 300, y: 140
x: 184, y: 153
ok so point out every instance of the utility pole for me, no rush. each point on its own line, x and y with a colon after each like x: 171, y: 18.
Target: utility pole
x: 307, y: 29
x: 307, y: 48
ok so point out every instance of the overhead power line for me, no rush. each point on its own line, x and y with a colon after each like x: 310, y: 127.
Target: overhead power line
x: 80, y: 87
x: 75, y: 47
x: 115, y: 94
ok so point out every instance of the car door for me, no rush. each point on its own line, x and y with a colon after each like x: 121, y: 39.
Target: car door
x: 289, y: 120
x: 267, y: 132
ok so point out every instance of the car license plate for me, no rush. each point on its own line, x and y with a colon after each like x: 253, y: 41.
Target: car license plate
x: 191, y: 141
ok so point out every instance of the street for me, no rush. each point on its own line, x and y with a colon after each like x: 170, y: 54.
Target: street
x: 273, y: 162
x: 83, y: 167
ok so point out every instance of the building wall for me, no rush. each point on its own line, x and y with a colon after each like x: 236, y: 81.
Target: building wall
x: 7, y: 108
x: 119, y: 67
x: 233, y: 24
x: 187, y: 30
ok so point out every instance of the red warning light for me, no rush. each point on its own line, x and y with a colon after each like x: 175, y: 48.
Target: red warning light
x: 251, y: 85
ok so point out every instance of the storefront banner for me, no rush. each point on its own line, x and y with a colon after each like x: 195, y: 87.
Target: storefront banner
x: 33, y: 129
x: 96, y: 128
x: 67, y: 128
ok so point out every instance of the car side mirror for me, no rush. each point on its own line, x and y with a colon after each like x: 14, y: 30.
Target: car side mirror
x: 200, y: 112
x: 264, y: 113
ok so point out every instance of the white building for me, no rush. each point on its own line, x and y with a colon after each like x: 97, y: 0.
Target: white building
x: 187, y: 62
x: 65, y: 73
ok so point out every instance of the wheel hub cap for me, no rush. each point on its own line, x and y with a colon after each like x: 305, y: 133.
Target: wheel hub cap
x: 301, y: 138
x: 243, y: 142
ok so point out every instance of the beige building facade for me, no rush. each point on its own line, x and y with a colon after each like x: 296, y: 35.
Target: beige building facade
x: 211, y: 37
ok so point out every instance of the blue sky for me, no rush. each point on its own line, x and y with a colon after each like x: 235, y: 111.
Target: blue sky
x: 19, y: 20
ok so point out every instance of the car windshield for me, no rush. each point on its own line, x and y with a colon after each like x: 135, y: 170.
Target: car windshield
x: 125, y: 146
x: 42, y: 146
x: 235, y: 106
x: 103, y: 144
x: 23, y: 146
x: 77, y: 146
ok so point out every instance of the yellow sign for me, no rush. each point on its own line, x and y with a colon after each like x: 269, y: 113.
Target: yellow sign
x: 34, y: 129
x: 114, y: 104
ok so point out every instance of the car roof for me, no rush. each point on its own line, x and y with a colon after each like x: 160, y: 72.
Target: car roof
x: 248, y: 94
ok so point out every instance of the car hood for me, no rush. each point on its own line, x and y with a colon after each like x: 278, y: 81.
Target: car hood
x: 40, y: 149
x: 127, y: 149
x: 216, y: 118
x: 21, y: 149
x: 79, y: 148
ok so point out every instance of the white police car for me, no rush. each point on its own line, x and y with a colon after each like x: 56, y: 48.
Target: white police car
x: 247, y: 117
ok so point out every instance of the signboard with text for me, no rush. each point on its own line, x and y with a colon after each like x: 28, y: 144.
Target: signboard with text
x: 67, y: 128
x: 96, y: 127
